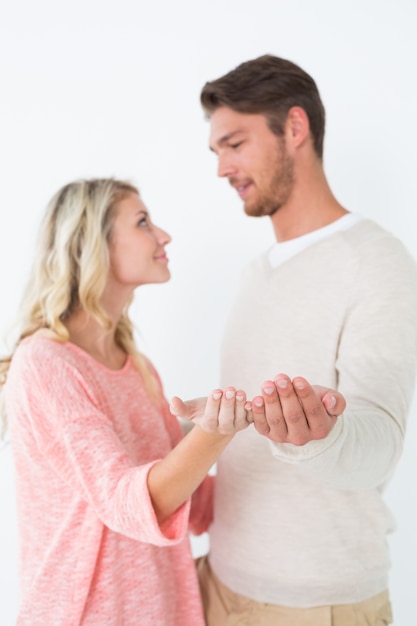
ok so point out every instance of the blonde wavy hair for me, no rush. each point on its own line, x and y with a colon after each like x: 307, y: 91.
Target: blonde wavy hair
x: 71, y: 267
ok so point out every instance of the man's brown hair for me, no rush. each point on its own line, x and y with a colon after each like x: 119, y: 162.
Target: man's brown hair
x: 270, y: 86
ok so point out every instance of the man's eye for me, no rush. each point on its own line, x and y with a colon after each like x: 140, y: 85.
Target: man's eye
x: 236, y: 145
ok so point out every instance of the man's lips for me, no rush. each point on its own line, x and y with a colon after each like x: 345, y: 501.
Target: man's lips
x: 241, y: 187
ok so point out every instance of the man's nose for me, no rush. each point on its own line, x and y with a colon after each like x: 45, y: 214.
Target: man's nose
x: 225, y: 166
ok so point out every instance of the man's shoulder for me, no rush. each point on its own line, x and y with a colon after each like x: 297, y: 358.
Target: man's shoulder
x: 369, y: 239
x: 367, y: 229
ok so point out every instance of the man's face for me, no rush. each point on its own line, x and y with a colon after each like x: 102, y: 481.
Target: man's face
x: 254, y: 160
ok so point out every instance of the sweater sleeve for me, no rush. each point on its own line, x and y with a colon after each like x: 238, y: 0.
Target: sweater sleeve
x: 201, y: 511
x: 79, y: 442
x: 375, y: 369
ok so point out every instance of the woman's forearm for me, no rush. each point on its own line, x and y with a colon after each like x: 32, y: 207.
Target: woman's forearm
x: 173, y: 480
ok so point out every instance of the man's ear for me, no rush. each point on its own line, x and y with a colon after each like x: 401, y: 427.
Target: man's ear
x: 297, y: 126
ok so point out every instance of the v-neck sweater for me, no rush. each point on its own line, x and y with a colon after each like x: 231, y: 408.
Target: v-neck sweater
x: 307, y: 525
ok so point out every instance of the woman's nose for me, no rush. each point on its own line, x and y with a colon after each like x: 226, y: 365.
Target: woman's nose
x: 162, y: 236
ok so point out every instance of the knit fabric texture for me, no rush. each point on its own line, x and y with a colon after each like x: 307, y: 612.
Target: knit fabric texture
x: 306, y: 525
x: 91, y: 551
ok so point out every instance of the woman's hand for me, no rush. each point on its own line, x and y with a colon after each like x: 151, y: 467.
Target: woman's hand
x: 223, y: 412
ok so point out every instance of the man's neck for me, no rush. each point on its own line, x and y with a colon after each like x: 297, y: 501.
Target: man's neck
x: 311, y: 206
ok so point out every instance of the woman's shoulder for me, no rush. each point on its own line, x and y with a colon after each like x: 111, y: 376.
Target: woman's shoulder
x: 36, y: 367
x: 42, y: 353
x: 40, y: 346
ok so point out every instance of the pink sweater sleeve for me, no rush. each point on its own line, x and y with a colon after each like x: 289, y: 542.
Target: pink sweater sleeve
x: 116, y: 488
x: 201, y: 513
x: 80, y: 443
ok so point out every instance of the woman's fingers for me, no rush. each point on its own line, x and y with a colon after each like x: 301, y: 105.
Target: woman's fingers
x: 225, y: 412
x: 189, y: 409
x: 241, y: 414
x: 210, y: 418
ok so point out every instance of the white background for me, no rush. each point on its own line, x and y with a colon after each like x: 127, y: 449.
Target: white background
x: 100, y: 88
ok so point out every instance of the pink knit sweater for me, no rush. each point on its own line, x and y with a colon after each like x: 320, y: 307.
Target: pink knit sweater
x: 92, y: 553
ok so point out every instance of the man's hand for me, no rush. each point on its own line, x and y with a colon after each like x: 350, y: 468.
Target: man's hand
x: 295, y: 411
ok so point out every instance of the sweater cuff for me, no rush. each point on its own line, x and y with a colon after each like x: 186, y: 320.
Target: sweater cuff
x: 173, y: 529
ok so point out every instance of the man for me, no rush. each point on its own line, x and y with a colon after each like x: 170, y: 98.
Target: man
x: 299, y: 532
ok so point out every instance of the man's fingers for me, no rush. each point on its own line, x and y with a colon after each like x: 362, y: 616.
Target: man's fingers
x: 333, y: 401
x: 292, y: 410
x: 274, y: 412
x: 319, y: 421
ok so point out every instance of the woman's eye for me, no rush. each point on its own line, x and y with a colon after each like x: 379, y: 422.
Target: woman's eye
x: 143, y: 222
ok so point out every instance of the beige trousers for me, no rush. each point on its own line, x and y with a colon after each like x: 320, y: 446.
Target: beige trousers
x: 223, y: 607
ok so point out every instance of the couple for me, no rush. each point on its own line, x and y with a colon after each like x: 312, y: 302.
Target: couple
x: 108, y: 487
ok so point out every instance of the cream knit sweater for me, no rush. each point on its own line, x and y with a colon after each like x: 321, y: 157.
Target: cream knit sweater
x: 307, y: 526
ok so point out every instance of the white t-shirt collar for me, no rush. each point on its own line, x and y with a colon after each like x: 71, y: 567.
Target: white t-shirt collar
x: 284, y: 250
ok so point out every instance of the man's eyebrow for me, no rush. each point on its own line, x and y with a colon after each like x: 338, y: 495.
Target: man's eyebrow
x: 225, y: 139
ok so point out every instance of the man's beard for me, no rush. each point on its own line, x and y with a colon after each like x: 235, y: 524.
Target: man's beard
x: 275, y: 193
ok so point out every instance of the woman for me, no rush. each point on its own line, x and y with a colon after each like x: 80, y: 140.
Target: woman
x: 107, y: 487
x: 104, y: 481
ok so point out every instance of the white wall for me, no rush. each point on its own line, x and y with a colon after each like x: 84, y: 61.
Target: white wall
x: 98, y: 88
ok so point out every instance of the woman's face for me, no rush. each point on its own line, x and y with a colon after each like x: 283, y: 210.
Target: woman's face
x: 136, y: 246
